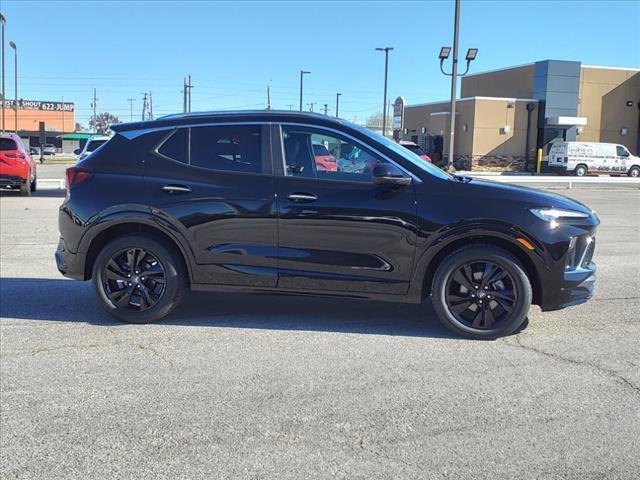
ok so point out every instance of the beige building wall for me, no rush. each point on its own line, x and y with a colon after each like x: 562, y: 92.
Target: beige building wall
x: 604, y: 93
x: 514, y: 82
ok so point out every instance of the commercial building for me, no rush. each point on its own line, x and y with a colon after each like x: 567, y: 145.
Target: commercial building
x: 504, y: 116
x: 34, y: 116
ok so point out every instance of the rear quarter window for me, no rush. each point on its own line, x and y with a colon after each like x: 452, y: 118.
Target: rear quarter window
x: 175, y: 147
x: 7, y: 144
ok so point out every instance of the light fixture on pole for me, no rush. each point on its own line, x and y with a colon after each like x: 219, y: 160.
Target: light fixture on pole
x: 3, y: 22
x: 15, y: 100
x: 386, y: 51
x: 337, y: 103
x: 302, y: 74
x: 444, y: 54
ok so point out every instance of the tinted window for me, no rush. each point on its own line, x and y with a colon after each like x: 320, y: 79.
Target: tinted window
x: 306, y: 152
x: 233, y: 148
x: 93, y: 144
x: 7, y: 144
x: 175, y: 147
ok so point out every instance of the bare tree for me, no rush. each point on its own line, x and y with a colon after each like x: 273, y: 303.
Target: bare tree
x: 102, y: 122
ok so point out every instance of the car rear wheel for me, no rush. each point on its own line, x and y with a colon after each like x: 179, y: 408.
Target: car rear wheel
x: 481, y: 292
x: 581, y: 170
x: 634, y: 171
x: 138, y: 278
x: 34, y: 185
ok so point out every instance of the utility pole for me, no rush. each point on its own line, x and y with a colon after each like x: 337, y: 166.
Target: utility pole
x: 302, y: 74
x: 290, y: 106
x: 184, y: 95
x: 326, y: 109
x: 337, y: 103
x: 150, y: 105
x: 62, y: 121
x: 130, y: 100
x: 144, y: 105
x: 3, y: 22
x: 386, y: 51
x: 188, y: 88
x: 94, y: 104
x: 269, y: 96
x: 15, y: 101
x: 311, y: 104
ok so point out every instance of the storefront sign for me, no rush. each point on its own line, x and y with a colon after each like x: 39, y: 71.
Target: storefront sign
x: 39, y: 105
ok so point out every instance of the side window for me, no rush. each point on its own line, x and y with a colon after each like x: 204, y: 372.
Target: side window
x: 235, y: 148
x: 312, y: 153
x: 621, y: 151
x: 175, y: 147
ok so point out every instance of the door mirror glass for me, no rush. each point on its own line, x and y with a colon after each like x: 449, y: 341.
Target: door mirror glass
x: 389, y: 174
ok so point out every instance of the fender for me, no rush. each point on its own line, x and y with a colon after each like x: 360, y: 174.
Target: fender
x: 432, y: 246
x: 136, y: 214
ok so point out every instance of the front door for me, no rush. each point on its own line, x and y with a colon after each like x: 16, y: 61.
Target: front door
x: 214, y: 184
x: 337, y: 230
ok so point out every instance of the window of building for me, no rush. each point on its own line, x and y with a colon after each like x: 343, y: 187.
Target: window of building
x: 235, y: 148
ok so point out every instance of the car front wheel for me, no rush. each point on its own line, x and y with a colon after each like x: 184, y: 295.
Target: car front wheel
x: 138, y: 278
x: 481, y: 292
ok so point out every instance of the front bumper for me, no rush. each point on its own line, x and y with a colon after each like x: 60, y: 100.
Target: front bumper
x: 69, y: 264
x: 577, y: 288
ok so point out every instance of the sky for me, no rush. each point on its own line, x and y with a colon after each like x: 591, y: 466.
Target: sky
x: 232, y: 50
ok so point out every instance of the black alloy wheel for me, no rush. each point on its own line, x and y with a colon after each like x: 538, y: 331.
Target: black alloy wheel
x: 134, y: 279
x: 139, y: 277
x: 480, y: 294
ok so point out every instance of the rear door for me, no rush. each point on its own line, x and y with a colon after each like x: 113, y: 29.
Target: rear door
x: 214, y: 183
x: 337, y: 230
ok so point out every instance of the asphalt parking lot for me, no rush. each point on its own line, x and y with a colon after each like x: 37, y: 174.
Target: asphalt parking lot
x: 237, y: 386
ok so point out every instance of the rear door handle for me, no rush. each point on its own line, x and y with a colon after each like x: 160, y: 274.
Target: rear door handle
x: 302, y: 197
x: 174, y: 189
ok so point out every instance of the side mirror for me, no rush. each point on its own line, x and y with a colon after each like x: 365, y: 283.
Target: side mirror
x: 388, y: 174
x: 77, y: 151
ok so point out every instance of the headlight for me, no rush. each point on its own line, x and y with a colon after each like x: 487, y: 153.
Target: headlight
x: 552, y: 214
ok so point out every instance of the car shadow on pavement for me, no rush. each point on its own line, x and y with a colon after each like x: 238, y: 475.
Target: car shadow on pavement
x: 45, y: 193
x: 61, y: 300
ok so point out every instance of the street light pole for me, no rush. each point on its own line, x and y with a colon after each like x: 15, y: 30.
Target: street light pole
x: 15, y: 101
x: 3, y: 21
x: 337, y: 103
x: 386, y: 51
x: 444, y: 54
x: 302, y: 73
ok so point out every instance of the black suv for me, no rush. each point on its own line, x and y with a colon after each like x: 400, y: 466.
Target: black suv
x: 238, y: 202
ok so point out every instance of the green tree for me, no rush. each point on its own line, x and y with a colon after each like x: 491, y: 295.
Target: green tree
x: 102, y: 122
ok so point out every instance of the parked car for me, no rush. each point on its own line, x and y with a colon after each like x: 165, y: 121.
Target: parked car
x: 415, y: 149
x: 233, y: 202
x: 17, y: 168
x: 48, y: 149
x: 324, y: 160
x: 93, y: 143
x: 582, y: 158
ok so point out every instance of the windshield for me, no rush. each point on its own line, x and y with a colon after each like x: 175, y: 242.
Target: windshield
x: 407, y: 154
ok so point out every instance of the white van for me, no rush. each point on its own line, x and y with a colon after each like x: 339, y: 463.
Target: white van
x: 581, y: 158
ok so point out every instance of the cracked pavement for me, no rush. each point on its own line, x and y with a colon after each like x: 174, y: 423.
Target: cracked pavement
x: 238, y: 386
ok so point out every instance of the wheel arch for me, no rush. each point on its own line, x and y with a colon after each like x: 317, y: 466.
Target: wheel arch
x: 485, y: 239
x: 117, y: 229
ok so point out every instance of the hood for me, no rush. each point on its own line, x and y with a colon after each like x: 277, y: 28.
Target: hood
x: 513, y: 193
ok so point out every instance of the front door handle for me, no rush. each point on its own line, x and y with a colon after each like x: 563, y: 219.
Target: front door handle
x: 174, y: 189
x: 302, y: 197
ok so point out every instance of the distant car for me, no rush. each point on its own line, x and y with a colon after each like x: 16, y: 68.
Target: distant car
x: 324, y: 160
x: 17, y: 168
x: 92, y: 144
x: 48, y: 149
x: 34, y: 151
x: 415, y: 149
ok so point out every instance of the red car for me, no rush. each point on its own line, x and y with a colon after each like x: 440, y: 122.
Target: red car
x: 415, y: 149
x: 17, y: 168
x: 324, y: 160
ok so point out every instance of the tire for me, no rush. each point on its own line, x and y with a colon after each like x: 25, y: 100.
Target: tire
x: 581, y: 170
x: 25, y: 189
x: 495, y: 317
x: 126, y: 302
x: 634, y: 171
x: 34, y: 184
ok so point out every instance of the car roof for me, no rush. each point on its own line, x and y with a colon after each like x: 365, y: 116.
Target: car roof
x: 10, y: 135
x: 230, y: 116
